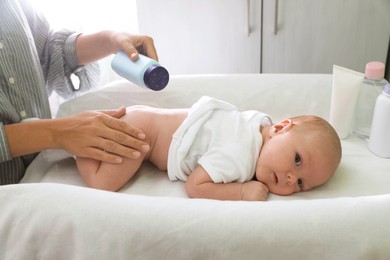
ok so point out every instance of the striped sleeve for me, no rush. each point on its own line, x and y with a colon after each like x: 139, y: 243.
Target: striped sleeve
x: 11, y: 171
x: 57, y: 54
x: 63, y: 63
x: 5, y: 154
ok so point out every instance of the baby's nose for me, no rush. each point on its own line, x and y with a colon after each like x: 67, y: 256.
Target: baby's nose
x: 291, y: 179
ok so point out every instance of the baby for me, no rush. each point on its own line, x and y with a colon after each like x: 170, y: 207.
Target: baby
x: 222, y: 153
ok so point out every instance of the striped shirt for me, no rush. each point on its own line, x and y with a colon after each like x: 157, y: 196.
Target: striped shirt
x: 34, y: 62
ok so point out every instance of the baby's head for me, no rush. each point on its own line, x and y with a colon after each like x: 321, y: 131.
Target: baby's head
x: 298, y: 154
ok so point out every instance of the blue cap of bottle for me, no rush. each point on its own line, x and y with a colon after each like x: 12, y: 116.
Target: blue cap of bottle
x: 156, y: 77
x: 387, y: 89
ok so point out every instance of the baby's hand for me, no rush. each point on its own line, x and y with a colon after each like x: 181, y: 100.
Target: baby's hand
x: 254, y: 191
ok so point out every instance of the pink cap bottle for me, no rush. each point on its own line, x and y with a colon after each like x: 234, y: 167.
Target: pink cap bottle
x: 375, y: 70
x: 372, y: 87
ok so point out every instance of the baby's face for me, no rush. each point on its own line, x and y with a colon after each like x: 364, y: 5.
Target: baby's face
x: 291, y: 162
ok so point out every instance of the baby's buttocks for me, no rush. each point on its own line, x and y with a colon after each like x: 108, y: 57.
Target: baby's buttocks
x: 161, y: 125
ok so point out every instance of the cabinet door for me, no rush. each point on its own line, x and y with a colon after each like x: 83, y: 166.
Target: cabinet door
x: 204, y: 36
x: 311, y: 36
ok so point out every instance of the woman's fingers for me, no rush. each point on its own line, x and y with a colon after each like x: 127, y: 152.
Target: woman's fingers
x: 122, y: 126
x: 100, y: 136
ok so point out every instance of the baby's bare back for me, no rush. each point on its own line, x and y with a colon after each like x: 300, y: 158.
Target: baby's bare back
x: 159, y: 125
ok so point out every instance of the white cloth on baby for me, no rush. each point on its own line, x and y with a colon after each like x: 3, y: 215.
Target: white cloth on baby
x: 220, y: 138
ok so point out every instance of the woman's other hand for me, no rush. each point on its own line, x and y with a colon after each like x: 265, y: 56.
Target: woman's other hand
x: 100, y: 135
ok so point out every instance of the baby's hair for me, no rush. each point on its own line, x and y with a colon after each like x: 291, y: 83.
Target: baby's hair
x: 316, y: 123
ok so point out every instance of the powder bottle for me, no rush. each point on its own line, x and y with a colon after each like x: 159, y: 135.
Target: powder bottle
x: 144, y: 72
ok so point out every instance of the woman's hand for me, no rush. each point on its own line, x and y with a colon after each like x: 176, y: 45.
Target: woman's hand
x: 100, y: 135
x: 133, y: 44
x: 95, y: 46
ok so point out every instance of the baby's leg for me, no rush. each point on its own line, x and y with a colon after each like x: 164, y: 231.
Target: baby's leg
x: 107, y: 176
x: 87, y: 168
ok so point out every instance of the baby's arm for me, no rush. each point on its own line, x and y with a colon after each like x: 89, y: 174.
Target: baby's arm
x: 200, y: 185
x: 107, y: 176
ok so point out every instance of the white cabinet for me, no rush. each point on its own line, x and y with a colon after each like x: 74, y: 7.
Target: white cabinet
x: 312, y: 35
x: 211, y: 36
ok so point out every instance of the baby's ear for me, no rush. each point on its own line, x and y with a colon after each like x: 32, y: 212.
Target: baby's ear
x: 281, y: 127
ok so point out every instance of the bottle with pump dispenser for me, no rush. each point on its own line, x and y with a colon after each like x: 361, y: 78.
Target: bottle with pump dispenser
x: 372, y: 87
x: 379, y: 142
x: 144, y: 72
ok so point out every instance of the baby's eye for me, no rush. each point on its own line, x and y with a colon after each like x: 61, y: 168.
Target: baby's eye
x: 298, y: 160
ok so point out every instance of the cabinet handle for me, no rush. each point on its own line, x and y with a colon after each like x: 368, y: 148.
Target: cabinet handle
x: 248, y: 17
x: 276, y: 17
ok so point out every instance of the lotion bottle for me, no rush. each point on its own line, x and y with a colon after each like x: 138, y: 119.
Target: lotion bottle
x: 379, y: 142
x: 345, y: 90
x: 144, y: 72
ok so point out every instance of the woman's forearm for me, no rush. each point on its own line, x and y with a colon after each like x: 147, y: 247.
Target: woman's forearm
x: 29, y: 137
x: 92, y: 47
